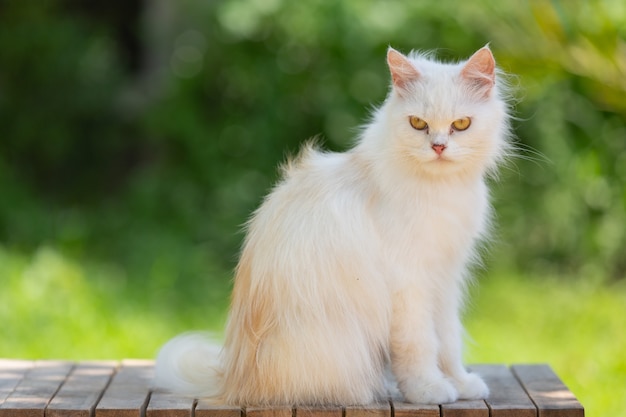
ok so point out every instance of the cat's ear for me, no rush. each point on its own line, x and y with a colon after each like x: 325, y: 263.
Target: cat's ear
x: 480, y: 71
x: 402, y: 70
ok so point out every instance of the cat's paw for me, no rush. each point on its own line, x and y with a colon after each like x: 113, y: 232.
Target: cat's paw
x: 471, y: 387
x: 430, y: 391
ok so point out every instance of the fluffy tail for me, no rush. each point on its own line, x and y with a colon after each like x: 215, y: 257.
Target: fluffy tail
x: 189, y: 365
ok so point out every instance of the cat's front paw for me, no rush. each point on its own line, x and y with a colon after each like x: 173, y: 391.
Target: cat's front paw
x: 429, y: 391
x: 471, y: 387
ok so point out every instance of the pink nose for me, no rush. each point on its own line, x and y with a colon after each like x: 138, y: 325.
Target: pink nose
x: 439, y: 149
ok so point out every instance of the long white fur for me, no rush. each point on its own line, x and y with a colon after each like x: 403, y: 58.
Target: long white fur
x: 358, y: 261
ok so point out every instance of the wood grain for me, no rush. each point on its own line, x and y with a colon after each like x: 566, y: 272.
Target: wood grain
x: 81, y: 391
x: 205, y: 408
x: 369, y: 410
x: 329, y: 411
x: 402, y: 409
x: 507, y: 397
x: 35, y: 389
x: 11, y: 373
x: 169, y: 405
x: 465, y: 408
x: 128, y: 393
x: 548, y: 392
x: 268, y: 412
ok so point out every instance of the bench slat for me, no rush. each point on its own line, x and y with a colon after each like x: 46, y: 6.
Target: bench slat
x: 81, y: 391
x: 465, y: 408
x: 548, y: 392
x: 163, y: 404
x: 35, y: 390
x: 330, y: 411
x: 402, y: 409
x: 370, y: 410
x: 507, y: 397
x: 268, y: 412
x: 11, y: 373
x: 128, y: 393
x: 205, y: 409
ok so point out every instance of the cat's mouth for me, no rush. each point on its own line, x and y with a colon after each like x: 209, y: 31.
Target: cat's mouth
x: 442, y: 158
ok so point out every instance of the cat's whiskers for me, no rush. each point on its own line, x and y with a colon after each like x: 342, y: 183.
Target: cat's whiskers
x: 518, y: 151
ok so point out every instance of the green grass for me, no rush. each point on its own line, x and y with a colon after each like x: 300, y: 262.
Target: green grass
x: 576, y: 326
x: 55, y: 306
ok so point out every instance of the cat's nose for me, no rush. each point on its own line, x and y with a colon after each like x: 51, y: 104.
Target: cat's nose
x: 439, y: 149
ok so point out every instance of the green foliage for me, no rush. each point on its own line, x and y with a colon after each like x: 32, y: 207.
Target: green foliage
x: 89, y: 149
x: 58, y: 83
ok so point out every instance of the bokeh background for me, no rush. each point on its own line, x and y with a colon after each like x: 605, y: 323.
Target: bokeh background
x: 137, y: 136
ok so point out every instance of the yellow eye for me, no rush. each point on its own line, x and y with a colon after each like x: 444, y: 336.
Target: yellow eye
x: 417, y: 123
x: 461, y: 124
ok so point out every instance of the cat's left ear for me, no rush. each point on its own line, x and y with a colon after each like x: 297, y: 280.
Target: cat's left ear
x: 480, y: 71
x: 403, y: 72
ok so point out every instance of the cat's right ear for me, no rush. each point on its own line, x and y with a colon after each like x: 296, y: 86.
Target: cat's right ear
x: 403, y: 72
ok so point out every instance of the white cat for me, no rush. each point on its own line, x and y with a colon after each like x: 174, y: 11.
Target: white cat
x: 357, y: 261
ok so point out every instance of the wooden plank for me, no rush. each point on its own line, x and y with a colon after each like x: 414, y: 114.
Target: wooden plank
x: 402, y: 409
x: 165, y: 404
x: 330, y: 411
x: 82, y: 389
x: 205, y: 408
x: 64, y: 389
x: 36, y: 389
x: 11, y: 373
x: 128, y: 393
x: 370, y: 410
x: 507, y: 398
x: 548, y: 392
x: 465, y: 408
x: 283, y: 411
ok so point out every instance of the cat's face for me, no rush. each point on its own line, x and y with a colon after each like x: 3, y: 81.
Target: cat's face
x: 446, y: 119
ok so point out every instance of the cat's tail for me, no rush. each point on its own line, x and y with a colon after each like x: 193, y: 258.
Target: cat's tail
x: 189, y: 365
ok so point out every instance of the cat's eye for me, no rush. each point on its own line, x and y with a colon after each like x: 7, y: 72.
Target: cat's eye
x: 417, y: 123
x: 461, y: 124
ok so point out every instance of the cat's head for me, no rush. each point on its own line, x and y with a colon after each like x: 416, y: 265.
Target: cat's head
x: 446, y: 119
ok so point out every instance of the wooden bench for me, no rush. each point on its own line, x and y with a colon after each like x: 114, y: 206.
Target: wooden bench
x: 121, y: 389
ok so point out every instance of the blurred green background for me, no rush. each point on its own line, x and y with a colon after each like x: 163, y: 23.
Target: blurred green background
x: 136, y: 137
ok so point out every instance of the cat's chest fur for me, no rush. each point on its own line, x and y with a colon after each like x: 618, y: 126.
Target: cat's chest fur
x: 412, y: 224
x: 424, y: 225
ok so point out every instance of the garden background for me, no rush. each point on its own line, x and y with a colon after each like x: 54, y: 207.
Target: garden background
x: 136, y: 137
